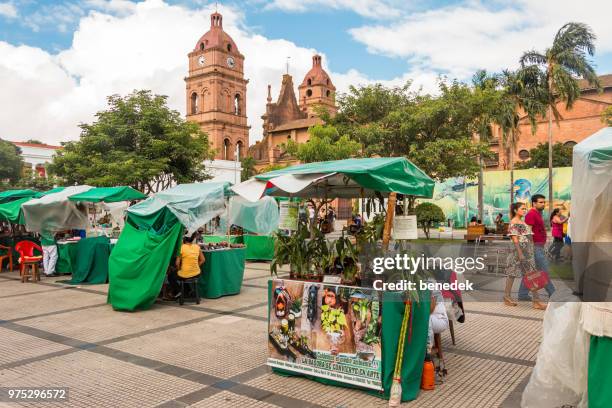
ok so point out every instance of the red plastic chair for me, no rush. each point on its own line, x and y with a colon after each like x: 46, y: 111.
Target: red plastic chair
x: 27, y: 258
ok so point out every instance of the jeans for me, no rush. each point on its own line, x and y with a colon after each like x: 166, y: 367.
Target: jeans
x: 555, y: 248
x: 542, y: 264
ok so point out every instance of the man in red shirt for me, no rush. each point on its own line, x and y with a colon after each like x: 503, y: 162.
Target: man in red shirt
x: 535, y: 220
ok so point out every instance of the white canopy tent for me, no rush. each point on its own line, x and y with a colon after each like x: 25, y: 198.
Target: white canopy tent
x: 55, y: 212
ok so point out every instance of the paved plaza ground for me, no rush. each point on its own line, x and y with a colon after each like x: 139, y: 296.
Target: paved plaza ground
x: 214, y: 354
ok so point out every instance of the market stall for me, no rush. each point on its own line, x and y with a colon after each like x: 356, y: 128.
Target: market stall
x: 324, y: 331
x: 222, y: 272
x: 152, y: 237
x: 11, y: 195
x: 258, y: 219
x: 573, y: 362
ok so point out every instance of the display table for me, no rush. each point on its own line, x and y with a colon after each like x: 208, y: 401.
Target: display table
x: 222, y: 273
x: 213, y: 239
x: 86, y: 259
x: 259, y: 247
x: 66, y: 257
x: 392, y: 315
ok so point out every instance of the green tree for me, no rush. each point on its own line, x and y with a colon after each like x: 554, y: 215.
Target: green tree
x: 538, y: 157
x: 137, y: 141
x: 34, y: 141
x: 606, y: 116
x: 248, y: 168
x: 563, y: 62
x: 324, y: 144
x: 396, y: 122
x: 427, y: 214
x: 11, y: 163
x: 522, y: 93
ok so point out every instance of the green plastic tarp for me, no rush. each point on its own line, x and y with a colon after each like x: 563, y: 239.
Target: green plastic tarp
x: 10, y: 195
x: 52, y: 191
x: 259, y: 247
x: 222, y: 273
x: 11, y: 211
x: 192, y: 204
x: 90, y: 265
x: 351, y: 178
x: 109, y: 195
x: 152, y: 237
x: 259, y: 217
x: 137, y: 266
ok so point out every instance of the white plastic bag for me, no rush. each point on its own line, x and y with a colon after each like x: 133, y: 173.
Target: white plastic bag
x: 560, y: 374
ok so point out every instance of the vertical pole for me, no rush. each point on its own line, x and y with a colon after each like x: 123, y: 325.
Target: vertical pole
x: 550, y: 161
x: 467, y: 205
x: 389, y: 220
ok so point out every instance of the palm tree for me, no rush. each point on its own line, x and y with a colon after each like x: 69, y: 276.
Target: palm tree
x: 563, y: 63
x: 522, y: 93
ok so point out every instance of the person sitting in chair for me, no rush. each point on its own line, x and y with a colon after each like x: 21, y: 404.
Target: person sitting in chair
x: 187, y: 264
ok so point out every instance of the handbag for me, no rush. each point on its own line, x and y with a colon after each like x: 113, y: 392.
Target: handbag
x: 535, y: 280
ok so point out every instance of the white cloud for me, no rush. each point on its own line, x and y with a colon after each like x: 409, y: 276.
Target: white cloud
x: 8, y: 9
x: 461, y: 39
x: 367, y: 8
x: 143, y: 46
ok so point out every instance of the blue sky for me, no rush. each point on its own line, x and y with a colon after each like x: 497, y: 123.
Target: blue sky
x: 70, y: 55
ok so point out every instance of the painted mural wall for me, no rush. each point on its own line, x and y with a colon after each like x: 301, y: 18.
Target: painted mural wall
x: 453, y: 194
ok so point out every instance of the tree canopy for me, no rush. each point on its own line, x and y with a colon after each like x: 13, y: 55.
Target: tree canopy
x: 11, y: 163
x: 394, y: 122
x: 538, y: 156
x: 137, y: 141
x: 325, y: 143
x: 427, y: 215
x: 606, y: 116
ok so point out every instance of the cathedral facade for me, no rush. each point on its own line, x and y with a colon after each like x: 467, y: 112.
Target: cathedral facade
x: 290, y: 117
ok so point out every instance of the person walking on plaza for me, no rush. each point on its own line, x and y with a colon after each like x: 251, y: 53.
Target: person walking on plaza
x: 49, y: 247
x: 557, y: 222
x: 536, y: 222
x: 522, y: 259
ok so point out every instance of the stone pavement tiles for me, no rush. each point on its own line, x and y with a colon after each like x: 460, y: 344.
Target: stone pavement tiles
x: 214, y: 354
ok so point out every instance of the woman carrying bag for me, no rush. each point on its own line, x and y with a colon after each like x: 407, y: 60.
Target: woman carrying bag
x: 521, y: 261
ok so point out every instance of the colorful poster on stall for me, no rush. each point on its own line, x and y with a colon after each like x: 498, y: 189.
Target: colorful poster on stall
x: 326, y: 330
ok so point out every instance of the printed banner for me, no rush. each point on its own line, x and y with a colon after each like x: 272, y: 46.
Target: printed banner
x: 325, y: 330
x: 288, y: 215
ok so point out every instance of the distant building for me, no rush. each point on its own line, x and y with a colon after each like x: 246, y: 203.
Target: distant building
x: 37, y: 155
x: 287, y: 119
x: 575, y: 125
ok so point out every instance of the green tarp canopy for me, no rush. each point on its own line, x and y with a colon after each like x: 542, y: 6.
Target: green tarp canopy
x: 152, y: 237
x: 109, y: 195
x: 53, y: 190
x: 10, y: 195
x: 349, y: 178
x: 11, y: 211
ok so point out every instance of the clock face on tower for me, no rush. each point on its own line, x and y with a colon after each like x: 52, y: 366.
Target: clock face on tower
x: 230, y: 62
x: 201, y: 60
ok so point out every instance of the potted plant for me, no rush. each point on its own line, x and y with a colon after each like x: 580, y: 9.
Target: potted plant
x: 347, y: 260
x: 296, y: 307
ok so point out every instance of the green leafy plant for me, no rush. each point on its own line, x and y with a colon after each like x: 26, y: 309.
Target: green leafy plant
x: 332, y: 320
x: 296, y: 305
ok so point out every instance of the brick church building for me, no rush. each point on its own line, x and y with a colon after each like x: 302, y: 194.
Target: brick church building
x: 290, y: 117
x: 576, y: 124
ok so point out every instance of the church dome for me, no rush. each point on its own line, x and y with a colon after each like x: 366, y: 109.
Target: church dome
x: 216, y: 37
x: 317, y: 75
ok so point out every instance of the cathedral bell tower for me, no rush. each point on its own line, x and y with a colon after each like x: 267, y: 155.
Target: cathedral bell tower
x: 317, y: 89
x: 216, y: 91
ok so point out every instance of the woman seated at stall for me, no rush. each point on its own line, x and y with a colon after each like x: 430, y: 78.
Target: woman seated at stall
x: 187, y: 264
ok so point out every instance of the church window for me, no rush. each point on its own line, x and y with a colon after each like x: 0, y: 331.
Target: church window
x: 202, y: 46
x: 194, y: 103
x: 226, y: 149
x: 309, y: 93
x: 327, y: 82
x: 569, y: 143
x: 229, y: 47
x: 524, y: 154
x: 328, y: 93
x: 309, y: 81
x: 239, y: 149
x: 237, y: 104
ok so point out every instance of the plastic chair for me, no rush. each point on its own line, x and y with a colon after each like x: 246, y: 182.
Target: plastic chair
x: 28, y: 259
x: 8, y: 255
